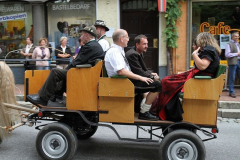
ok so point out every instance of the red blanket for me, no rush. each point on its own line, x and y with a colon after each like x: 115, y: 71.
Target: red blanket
x: 170, y: 86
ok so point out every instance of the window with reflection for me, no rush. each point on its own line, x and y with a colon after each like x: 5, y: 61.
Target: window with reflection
x: 66, y: 18
x: 15, y: 26
x: 219, y: 18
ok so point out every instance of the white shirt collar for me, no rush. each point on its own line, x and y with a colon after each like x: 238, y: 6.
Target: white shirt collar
x: 63, y: 47
x: 29, y: 45
x: 118, y: 47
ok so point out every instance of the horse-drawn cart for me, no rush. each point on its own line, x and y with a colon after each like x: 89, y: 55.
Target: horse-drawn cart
x: 96, y: 101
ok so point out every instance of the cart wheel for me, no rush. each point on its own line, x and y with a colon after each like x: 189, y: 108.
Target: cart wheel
x: 86, y: 133
x: 182, y: 144
x: 56, y: 141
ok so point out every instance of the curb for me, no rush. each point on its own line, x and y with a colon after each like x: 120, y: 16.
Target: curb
x: 229, y: 105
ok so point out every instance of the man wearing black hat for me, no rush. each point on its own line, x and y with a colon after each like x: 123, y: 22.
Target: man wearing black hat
x: 89, y: 52
x: 101, y: 37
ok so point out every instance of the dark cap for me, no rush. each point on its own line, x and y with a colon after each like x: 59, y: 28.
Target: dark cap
x: 90, y: 29
x: 102, y: 24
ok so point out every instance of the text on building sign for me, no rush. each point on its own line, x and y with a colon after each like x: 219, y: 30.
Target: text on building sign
x: 12, y: 9
x: 13, y: 17
x: 70, y: 6
x: 216, y: 30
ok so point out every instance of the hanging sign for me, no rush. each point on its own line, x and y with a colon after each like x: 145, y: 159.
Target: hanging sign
x: 13, y: 17
x: 162, y: 5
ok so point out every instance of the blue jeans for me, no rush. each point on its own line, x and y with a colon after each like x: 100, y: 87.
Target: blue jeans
x: 233, y: 69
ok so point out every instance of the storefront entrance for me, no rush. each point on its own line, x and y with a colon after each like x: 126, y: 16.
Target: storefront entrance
x: 220, y: 18
x: 136, y: 19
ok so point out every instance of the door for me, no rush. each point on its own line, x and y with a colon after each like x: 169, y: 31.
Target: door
x: 136, y: 19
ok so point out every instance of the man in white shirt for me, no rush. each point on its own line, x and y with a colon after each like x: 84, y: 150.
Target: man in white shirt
x: 101, y: 29
x: 117, y: 64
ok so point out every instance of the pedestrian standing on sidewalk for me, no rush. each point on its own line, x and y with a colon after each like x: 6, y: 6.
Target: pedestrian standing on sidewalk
x: 41, y: 52
x: 63, y: 53
x: 232, y: 53
x: 27, y: 52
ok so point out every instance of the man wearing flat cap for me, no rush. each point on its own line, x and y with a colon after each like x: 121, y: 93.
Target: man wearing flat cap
x: 88, y: 53
x: 101, y: 37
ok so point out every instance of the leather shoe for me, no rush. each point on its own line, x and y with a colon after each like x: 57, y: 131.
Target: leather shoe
x: 34, y: 98
x: 53, y: 98
x: 147, y: 116
x: 56, y: 104
x: 232, y: 95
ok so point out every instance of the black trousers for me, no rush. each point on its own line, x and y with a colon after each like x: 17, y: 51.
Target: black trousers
x: 50, y: 87
x: 156, y: 86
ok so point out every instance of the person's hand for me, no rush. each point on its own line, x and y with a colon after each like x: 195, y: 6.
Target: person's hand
x: 156, y: 77
x: 196, y: 51
x: 238, y: 54
x: 73, y: 57
x: 154, y: 74
x: 146, y: 80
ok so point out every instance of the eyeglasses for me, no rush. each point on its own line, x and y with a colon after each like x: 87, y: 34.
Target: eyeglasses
x: 126, y: 37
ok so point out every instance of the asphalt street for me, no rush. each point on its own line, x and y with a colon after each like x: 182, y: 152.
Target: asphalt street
x: 104, y: 145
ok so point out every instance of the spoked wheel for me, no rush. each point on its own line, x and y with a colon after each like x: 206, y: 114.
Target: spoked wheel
x: 182, y: 145
x: 86, y: 133
x: 56, y: 141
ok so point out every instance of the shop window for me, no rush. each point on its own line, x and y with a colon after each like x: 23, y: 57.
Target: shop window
x: 217, y: 19
x: 15, y: 26
x: 67, y: 18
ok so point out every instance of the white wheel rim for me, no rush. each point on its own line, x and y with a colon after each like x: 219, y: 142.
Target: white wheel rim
x: 182, y: 149
x: 54, y: 144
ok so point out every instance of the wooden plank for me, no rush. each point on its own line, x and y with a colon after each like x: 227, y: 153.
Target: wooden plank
x: 36, y: 79
x: 204, y: 89
x: 111, y: 87
x: 82, y: 88
x: 202, y: 112
x: 136, y: 120
x: 120, y: 109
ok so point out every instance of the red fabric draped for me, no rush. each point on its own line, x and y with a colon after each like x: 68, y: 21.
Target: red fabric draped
x: 170, y: 86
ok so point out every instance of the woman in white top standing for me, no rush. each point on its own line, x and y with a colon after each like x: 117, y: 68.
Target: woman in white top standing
x: 63, y: 54
x: 27, y: 52
x: 41, y: 52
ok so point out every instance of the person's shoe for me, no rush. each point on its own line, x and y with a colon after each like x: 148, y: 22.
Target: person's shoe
x: 56, y: 104
x: 53, y: 98
x: 147, y: 116
x: 232, y: 95
x: 59, y: 97
x: 34, y: 98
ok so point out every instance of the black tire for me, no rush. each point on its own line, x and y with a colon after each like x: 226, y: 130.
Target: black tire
x: 86, y: 133
x: 165, y: 132
x: 182, y: 144
x: 56, y: 141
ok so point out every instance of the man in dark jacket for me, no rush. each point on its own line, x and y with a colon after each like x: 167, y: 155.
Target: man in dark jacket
x: 91, y: 51
x: 137, y: 65
x: 135, y: 58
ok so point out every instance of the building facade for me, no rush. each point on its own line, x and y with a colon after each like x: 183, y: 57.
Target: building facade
x: 54, y: 19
